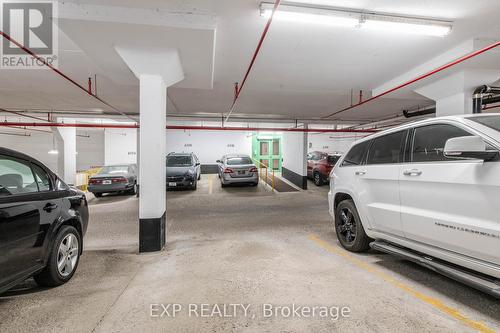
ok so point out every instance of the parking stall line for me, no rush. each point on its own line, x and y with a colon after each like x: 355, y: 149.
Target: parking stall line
x: 437, y: 304
x: 211, y: 184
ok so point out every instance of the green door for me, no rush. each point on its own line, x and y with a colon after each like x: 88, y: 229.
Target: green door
x: 267, y: 150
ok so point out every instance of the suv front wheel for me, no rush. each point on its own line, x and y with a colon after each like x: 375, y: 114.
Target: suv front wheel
x: 350, y: 231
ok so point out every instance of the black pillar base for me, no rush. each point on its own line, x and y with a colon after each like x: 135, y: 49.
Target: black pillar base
x: 295, y: 178
x: 152, y: 234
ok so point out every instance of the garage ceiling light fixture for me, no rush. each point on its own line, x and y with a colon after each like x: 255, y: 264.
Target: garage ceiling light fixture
x: 358, y: 19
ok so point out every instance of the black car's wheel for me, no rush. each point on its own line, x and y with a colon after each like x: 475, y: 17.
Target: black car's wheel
x: 199, y: 176
x: 349, y: 229
x: 255, y: 184
x: 97, y: 195
x: 133, y: 190
x: 63, y: 258
x: 318, y: 180
x: 222, y: 184
x: 195, y: 185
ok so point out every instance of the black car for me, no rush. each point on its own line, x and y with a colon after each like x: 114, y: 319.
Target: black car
x: 183, y: 170
x: 42, y: 223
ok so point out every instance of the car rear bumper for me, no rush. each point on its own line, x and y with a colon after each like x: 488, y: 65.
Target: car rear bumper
x: 110, y: 188
x: 227, y: 179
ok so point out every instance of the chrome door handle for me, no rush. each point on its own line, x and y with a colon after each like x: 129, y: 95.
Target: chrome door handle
x: 360, y: 173
x: 412, y: 172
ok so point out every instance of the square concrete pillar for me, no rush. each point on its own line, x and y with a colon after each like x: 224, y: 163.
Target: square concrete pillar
x: 294, y: 167
x: 65, y: 138
x: 153, y: 148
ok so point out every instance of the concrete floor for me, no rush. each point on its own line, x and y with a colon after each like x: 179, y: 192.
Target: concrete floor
x: 240, y: 245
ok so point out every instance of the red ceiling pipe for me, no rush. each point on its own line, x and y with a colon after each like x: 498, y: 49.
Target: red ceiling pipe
x: 421, y: 77
x: 41, y: 60
x: 255, y: 54
x: 194, y: 128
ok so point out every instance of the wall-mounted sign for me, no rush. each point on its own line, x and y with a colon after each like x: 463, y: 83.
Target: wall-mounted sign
x: 188, y: 145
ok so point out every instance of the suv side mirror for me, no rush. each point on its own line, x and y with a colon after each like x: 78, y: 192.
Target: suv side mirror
x: 470, y: 147
x: 197, y: 163
x: 219, y: 161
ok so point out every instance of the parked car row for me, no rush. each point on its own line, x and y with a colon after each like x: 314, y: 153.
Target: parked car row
x: 428, y: 192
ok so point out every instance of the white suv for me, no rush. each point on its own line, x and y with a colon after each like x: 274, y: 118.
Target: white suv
x: 428, y: 191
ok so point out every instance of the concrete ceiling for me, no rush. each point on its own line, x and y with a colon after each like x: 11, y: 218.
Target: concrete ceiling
x: 303, y: 71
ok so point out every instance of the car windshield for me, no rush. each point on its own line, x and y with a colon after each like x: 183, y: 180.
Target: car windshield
x: 179, y: 161
x: 114, y: 169
x: 239, y: 160
x: 490, y: 121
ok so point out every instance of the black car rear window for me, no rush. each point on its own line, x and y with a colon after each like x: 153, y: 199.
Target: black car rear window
x: 179, y: 161
x: 239, y: 160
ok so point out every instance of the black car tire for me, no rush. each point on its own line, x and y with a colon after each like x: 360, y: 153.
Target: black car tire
x: 133, y: 190
x: 97, y: 195
x: 222, y: 184
x: 199, y: 176
x: 318, y: 180
x: 50, y: 276
x: 349, y: 229
x: 195, y: 185
x: 255, y: 184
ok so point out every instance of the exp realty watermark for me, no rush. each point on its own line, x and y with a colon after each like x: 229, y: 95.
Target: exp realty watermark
x: 32, y: 25
x: 232, y: 310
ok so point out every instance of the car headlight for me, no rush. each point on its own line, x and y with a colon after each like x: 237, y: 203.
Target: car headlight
x: 189, y: 174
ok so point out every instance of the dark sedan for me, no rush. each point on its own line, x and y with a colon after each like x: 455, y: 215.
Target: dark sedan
x: 42, y: 223
x: 114, y: 178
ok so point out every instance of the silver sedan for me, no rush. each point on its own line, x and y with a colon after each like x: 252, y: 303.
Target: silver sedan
x: 237, y: 169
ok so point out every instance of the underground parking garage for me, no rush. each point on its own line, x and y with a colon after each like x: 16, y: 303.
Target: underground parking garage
x: 250, y: 166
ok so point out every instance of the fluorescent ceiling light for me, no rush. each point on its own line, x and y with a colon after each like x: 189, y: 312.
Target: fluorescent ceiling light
x: 407, y: 28
x: 53, y: 152
x: 314, y: 17
x: 351, y: 18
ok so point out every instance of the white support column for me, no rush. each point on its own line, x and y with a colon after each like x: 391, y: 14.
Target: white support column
x: 153, y: 148
x: 453, y: 93
x: 156, y: 70
x: 66, y: 147
x: 294, y: 166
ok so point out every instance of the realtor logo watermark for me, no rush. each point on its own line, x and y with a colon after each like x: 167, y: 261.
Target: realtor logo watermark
x: 31, y: 24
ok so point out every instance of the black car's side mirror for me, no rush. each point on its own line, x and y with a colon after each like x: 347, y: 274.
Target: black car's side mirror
x: 219, y: 161
x: 197, y: 163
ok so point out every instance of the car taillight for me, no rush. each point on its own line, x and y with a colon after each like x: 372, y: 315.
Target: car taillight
x: 227, y: 170
x: 119, y: 180
x: 94, y: 181
x: 254, y: 169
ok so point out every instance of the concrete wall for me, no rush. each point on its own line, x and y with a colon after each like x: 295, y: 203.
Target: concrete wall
x: 332, y: 142
x: 209, y: 146
x: 90, y: 150
x: 120, y: 146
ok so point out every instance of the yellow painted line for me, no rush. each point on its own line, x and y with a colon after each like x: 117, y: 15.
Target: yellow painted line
x: 437, y: 304
x: 210, y: 184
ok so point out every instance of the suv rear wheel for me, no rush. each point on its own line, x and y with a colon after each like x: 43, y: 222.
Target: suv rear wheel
x: 350, y: 231
x: 63, y: 259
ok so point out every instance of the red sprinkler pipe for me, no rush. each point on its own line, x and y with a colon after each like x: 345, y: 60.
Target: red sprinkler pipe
x: 421, y: 77
x: 41, y: 60
x: 194, y: 128
x: 255, y: 54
